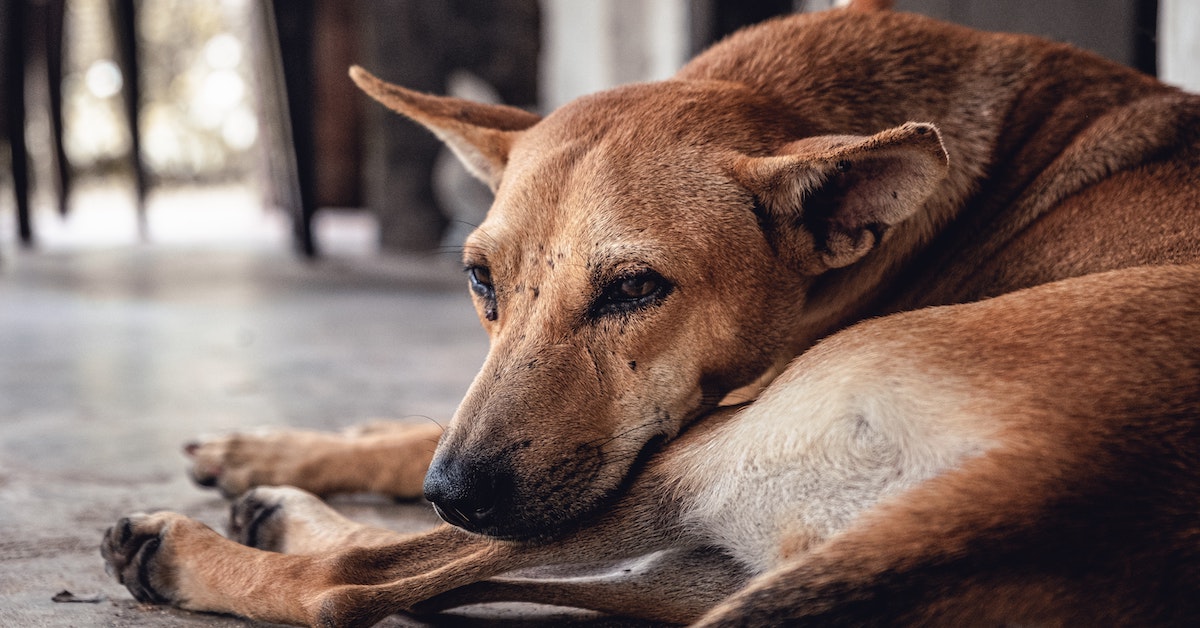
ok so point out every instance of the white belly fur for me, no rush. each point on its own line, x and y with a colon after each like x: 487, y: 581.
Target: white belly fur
x: 827, y: 440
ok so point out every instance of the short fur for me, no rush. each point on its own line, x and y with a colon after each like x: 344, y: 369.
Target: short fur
x: 1027, y: 451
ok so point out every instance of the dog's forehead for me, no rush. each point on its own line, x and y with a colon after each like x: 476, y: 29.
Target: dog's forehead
x: 610, y: 177
x: 605, y: 201
x: 633, y: 148
x: 586, y: 222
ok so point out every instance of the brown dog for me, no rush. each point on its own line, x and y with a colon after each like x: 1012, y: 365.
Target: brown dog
x: 652, y: 249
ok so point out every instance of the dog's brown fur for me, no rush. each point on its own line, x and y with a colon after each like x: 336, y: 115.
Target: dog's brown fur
x: 654, y: 248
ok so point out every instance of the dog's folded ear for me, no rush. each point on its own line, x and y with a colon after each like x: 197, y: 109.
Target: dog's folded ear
x: 826, y: 201
x: 481, y: 135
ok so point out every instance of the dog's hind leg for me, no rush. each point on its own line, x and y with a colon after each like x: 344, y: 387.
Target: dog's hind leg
x: 389, y: 458
x: 674, y: 586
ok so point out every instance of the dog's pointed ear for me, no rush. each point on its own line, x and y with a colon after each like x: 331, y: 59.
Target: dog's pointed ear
x: 481, y: 135
x: 826, y: 201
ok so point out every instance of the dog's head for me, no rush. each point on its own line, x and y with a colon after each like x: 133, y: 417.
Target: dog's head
x: 649, y: 250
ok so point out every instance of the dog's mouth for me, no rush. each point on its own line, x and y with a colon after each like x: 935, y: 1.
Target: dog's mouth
x: 458, y: 518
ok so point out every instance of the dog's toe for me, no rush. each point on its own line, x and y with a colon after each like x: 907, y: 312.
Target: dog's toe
x: 226, y: 463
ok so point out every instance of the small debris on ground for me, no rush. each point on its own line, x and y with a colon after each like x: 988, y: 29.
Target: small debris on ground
x: 65, y: 596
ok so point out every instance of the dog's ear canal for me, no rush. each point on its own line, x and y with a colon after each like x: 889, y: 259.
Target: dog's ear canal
x: 826, y: 201
x: 481, y: 135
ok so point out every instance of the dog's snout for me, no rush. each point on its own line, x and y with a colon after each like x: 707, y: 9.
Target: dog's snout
x: 466, y: 493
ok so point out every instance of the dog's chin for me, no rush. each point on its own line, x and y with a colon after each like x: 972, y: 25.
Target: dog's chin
x: 532, y: 518
x: 519, y: 533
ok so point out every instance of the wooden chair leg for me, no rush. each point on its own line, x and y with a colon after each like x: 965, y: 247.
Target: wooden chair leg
x: 294, y: 27
x: 55, y: 14
x: 125, y: 19
x: 15, y: 41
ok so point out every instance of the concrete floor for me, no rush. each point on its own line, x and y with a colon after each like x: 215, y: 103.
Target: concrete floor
x: 111, y: 359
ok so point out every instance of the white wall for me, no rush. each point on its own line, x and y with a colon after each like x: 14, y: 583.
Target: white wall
x: 1179, y: 43
x: 592, y: 45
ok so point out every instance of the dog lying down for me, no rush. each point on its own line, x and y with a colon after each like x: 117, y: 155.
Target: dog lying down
x: 961, y: 267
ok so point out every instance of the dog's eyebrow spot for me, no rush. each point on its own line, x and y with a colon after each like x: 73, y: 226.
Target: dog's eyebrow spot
x: 633, y: 365
x: 535, y: 291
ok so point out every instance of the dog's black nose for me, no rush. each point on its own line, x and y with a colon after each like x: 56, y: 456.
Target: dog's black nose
x: 465, y: 492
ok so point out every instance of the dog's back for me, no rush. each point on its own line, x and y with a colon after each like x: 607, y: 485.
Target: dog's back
x: 1062, y: 163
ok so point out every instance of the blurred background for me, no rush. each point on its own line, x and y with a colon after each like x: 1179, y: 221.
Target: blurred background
x: 233, y: 121
x: 205, y: 227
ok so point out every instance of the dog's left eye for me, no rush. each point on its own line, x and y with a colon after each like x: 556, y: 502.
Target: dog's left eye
x: 631, y: 292
x: 480, y: 279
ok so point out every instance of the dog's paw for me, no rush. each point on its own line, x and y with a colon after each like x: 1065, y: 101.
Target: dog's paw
x: 288, y: 520
x: 137, y: 552
x: 230, y: 464
x: 167, y: 558
x: 236, y: 463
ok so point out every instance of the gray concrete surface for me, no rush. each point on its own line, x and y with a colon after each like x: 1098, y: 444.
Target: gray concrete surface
x: 111, y: 359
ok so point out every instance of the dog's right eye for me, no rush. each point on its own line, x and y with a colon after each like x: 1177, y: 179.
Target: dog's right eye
x: 480, y: 279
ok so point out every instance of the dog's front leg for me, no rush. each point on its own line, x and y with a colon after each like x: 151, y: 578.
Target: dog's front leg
x: 166, y: 558
x: 389, y: 458
x: 674, y: 586
x: 288, y: 520
x: 170, y: 559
